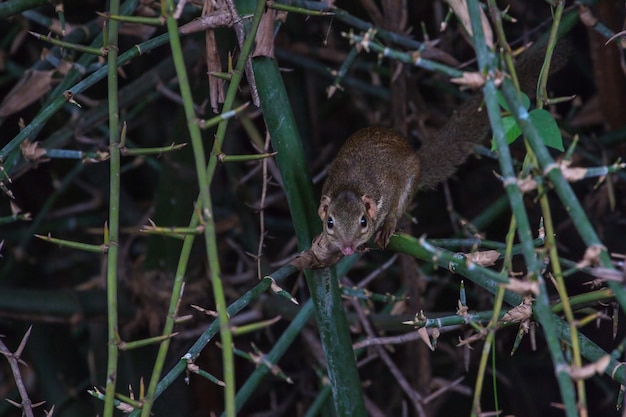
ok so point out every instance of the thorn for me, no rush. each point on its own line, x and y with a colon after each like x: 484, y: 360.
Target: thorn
x: 20, y: 348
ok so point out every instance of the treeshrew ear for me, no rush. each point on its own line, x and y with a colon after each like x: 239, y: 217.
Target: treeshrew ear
x: 370, y: 206
x: 322, y: 210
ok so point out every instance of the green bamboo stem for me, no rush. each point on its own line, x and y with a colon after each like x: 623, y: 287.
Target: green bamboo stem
x: 144, y: 342
x: 114, y: 209
x: 141, y: 88
x: 155, y: 387
x: 298, y: 10
x: 561, y: 186
x: 9, y: 154
x: 12, y: 7
x: 244, y: 158
x: 15, y: 218
x: 592, y: 352
x: 58, y: 99
x: 259, y: 359
x: 487, y: 346
x: 39, y: 218
x: 591, y: 297
x: 542, y: 97
x: 331, y: 319
x: 100, y: 396
x: 343, y: 69
x: 493, y: 323
x: 316, y: 407
x: 206, y: 211
x: 75, y: 245
x: 290, y: 158
x: 225, y: 115
x: 71, y: 46
x: 173, y: 231
x: 204, y: 374
x: 138, y: 88
x: 450, y: 243
x: 151, y: 151
x: 280, y: 347
x: 363, y: 294
x: 170, y: 321
x: 204, y: 339
x: 487, y: 63
x: 54, y: 153
x: 47, y: 21
x: 363, y: 25
x: 507, y: 56
x: 347, y: 81
x: 454, y: 262
x: 542, y: 90
x: 152, y: 21
x: 412, y: 58
x: 126, y: 401
x: 231, y: 94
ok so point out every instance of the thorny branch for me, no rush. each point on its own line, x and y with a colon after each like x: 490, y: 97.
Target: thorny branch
x: 14, y: 362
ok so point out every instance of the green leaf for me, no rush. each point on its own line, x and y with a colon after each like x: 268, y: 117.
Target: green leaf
x: 511, y: 131
x: 547, y: 127
x: 503, y: 104
x: 545, y: 124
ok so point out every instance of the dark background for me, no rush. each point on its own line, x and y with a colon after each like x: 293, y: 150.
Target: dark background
x: 59, y: 291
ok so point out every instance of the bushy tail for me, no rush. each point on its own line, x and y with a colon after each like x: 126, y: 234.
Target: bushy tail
x: 441, y: 155
x: 469, y: 125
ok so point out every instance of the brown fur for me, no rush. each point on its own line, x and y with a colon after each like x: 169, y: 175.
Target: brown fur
x: 373, y: 177
x: 376, y: 173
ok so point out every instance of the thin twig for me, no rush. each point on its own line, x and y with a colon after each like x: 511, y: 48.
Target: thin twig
x: 262, y: 209
x: 14, y: 361
x: 239, y: 31
x: 365, y: 281
x: 414, y: 396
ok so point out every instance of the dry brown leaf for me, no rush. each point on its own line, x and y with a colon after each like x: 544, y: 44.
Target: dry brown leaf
x: 527, y: 184
x: 18, y: 41
x: 15, y: 211
x: 265, y: 35
x: 423, y: 334
x: 462, y: 310
x: 522, y: 287
x: 210, y: 20
x: 481, y: 334
x: 143, y: 32
x: 399, y: 308
x: 591, y: 257
x: 30, y: 88
x: 213, y: 61
x: 587, y: 371
x: 100, y: 156
x: 484, y: 258
x: 460, y: 10
x: 32, y: 152
x: 518, y: 314
x: 214, y: 64
x: 472, y: 80
x: 573, y: 174
x: 607, y: 274
x: 56, y: 27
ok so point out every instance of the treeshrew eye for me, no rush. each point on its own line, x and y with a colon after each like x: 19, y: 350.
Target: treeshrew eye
x: 330, y: 223
x: 363, y: 222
